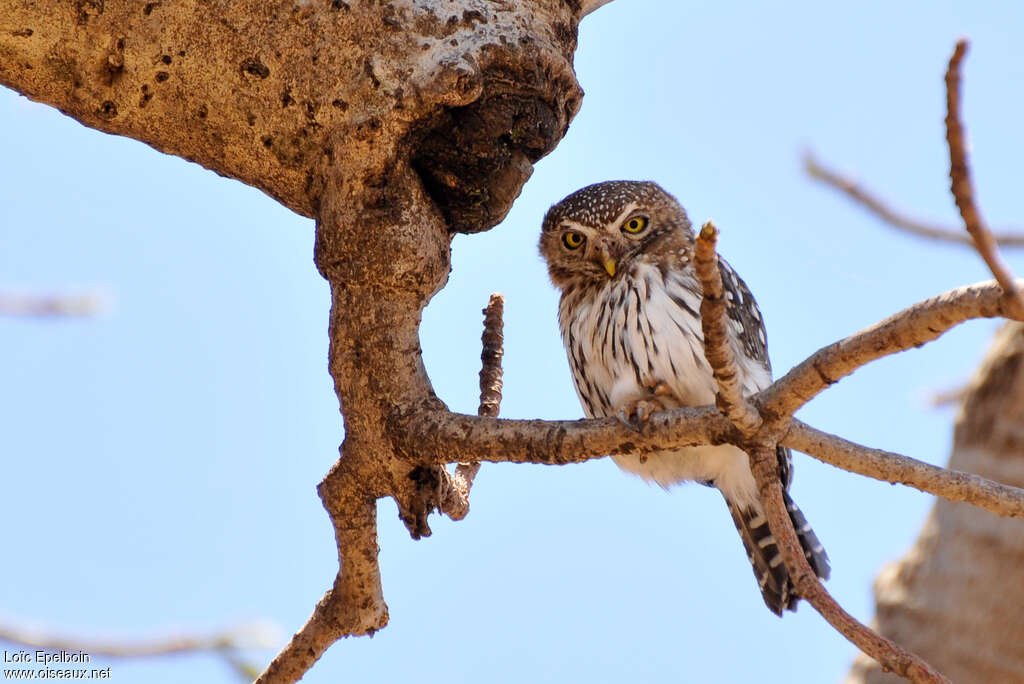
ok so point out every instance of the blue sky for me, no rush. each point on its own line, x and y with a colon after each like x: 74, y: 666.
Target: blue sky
x: 160, y: 460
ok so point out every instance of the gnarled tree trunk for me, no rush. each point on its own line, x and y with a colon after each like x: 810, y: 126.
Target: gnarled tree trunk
x: 394, y: 124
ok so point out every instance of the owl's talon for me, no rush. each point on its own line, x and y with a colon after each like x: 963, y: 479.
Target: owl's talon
x: 629, y: 420
x: 636, y: 414
x: 660, y: 389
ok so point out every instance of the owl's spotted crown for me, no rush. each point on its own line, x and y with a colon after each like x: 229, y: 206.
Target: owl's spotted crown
x: 600, y: 203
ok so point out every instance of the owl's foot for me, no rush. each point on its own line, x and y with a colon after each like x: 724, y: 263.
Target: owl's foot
x: 636, y: 413
x: 659, y: 389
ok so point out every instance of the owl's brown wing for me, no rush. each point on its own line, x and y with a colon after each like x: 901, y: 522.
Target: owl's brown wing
x: 744, y: 314
x: 749, y: 327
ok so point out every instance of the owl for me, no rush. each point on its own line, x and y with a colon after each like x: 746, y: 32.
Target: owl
x: 621, y: 252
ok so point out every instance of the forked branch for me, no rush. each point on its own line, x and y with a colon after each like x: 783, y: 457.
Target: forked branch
x: 963, y: 188
x: 761, y: 447
x: 889, y: 654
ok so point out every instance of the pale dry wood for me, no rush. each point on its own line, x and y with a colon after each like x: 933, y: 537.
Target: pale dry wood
x: 873, y: 203
x: 448, y: 437
x: 962, y: 186
x: 715, y: 324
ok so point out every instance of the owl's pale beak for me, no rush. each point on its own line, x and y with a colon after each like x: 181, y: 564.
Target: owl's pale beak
x: 607, y: 260
x: 609, y: 265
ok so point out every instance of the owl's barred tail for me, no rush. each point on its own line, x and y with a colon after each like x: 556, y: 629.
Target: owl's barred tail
x: 776, y: 585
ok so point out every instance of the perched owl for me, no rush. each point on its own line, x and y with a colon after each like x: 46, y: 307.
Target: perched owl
x: 621, y: 253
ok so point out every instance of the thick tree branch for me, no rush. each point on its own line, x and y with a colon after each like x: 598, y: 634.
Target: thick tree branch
x: 912, y: 327
x: 256, y: 90
x: 714, y: 324
x: 963, y: 188
x: 870, y: 201
x: 443, y: 437
x: 355, y: 604
x: 952, y: 485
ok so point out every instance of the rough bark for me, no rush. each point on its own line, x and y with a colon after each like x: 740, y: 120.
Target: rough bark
x: 957, y: 598
x: 260, y: 91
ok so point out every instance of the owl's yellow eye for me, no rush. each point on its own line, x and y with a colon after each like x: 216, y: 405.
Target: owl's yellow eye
x: 573, y: 240
x: 635, y: 225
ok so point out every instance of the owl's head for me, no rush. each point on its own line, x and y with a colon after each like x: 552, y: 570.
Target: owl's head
x: 596, y: 233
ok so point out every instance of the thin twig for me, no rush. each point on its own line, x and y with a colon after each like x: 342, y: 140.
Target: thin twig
x: 952, y: 485
x: 870, y: 201
x: 456, y: 504
x: 765, y: 466
x: 963, y: 188
x: 714, y: 324
x: 951, y: 396
x: 89, y: 304
x: 251, y: 635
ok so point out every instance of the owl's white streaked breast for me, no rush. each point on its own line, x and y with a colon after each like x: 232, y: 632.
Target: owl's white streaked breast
x: 636, y: 330
x: 631, y: 332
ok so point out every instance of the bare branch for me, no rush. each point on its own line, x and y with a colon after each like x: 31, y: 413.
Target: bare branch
x: 870, y: 201
x: 456, y: 504
x: 248, y: 635
x: 763, y: 461
x: 441, y: 436
x: 963, y: 189
x: 89, y: 304
x: 952, y: 485
x: 951, y: 396
x: 912, y: 327
x: 714, y: 324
